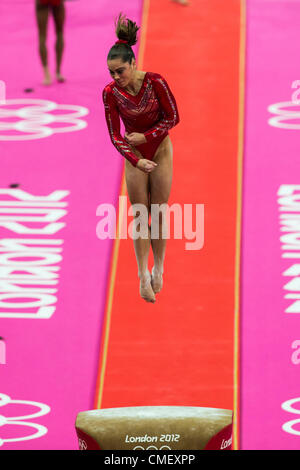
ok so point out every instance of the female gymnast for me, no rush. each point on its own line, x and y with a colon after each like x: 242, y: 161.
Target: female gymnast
x: 57, y: 8
x: 182, y: 2
x: 148, y: 110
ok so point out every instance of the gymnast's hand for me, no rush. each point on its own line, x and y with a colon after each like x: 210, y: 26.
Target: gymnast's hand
x: 146, y: 165
x: 135, y: 138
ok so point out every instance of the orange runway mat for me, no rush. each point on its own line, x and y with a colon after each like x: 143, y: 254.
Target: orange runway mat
x: 180, y: 350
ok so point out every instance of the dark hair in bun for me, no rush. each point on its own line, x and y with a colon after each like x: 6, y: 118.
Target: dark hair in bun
x: 126, y: 30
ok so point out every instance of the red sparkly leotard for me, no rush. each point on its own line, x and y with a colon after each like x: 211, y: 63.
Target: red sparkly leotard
x: 152, y: 112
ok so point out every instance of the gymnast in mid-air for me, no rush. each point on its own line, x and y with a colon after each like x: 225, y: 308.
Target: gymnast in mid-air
x: 182, y: 2
x: 57, y: 8
x: 148, y: 110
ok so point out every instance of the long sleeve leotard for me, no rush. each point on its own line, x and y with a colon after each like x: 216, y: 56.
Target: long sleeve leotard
x: 152, y: 112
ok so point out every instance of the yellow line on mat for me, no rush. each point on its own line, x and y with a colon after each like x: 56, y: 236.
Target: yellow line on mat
x: 236, y: 366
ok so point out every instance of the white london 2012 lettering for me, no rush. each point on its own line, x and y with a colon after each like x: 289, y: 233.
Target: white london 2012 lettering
x: 150, y: 439
x: 226, y: 444
x: 289, y: 210
x: 22, y: 295
x: 146, y: 438
x: 289, y: 202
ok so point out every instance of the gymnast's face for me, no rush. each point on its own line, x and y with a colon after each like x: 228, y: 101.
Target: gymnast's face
x: 121, y: 72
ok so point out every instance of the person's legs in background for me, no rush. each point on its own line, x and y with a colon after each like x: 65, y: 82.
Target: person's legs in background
x: 42, y: 21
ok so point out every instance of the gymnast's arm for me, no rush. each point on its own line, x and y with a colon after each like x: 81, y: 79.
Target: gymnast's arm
x: 113, y: 123
x: 168, y: 105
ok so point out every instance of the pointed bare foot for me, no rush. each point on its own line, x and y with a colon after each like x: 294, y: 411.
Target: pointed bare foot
x: 182, y: 2
x: 60, y: 78
x: 146, y: 291
x: 156, y: 280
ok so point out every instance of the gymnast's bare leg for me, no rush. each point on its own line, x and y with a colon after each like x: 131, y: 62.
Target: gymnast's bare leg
x: 138, y: 191
x: 160, y: 188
